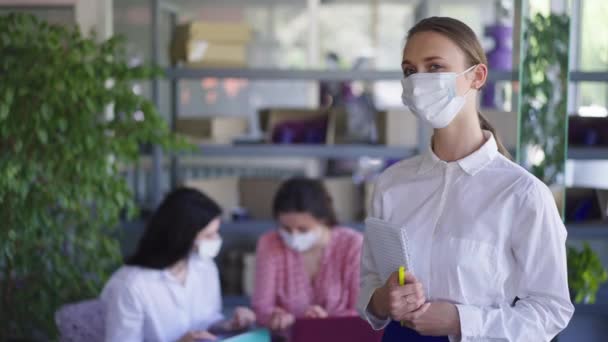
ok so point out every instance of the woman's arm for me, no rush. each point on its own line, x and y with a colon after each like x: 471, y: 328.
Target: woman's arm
x: 544, y: 308
x: 124, y: 316
x: 352, y: 271
x: 265, y: 291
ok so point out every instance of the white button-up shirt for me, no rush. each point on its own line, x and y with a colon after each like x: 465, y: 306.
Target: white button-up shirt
x: 151, y: 305
x: 482, y: 231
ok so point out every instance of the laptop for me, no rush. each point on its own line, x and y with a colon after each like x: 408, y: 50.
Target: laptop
x: 352, y: 329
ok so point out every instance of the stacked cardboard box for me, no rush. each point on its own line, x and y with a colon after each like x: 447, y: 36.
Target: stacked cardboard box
x: 208, y: 44
x: 270, y: 118
x: 257, y: 196
x: 217, y: 130
x: 223, y: 190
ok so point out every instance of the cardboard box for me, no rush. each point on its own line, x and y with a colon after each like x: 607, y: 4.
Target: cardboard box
x: 201, y: 54
x: 397, y: 128
x: 225, y: 32
x: 368, y: 193
x: 346, y: 197
x: 220, y: 130
x: 505, y: 124
x: 271, y: 117
x: 225, y: 191
x: 257, y: 197
x: 211, y: 44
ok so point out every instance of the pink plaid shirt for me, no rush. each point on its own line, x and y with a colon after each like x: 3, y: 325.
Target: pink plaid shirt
x: 282, y: 281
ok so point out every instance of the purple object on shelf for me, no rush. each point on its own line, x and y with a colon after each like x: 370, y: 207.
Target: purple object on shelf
x: 587, y: 131
x: 499, y: 59
x: 310, y: 131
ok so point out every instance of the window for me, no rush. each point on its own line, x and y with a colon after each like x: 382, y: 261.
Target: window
x: 592, y: 97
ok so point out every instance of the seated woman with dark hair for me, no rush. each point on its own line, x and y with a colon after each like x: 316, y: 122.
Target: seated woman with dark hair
x: 309, y: 266
x: 169, y: 290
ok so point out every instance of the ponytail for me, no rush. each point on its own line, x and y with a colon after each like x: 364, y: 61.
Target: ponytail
x: 487, y: 126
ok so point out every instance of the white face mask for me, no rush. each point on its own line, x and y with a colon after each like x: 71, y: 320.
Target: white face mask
x: 209, y: 249
x: 300, y: 242
x: 432, y: 96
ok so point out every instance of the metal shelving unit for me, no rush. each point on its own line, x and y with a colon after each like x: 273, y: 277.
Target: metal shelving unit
x: 588, y: 153
x: 588, y: 76
x: 258, y: 227
x: 254, y: 228
x: 587, y: 231
x: 316, y: 151
x: 307, y: 74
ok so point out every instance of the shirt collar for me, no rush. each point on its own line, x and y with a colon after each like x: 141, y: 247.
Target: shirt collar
x: 470, y: 164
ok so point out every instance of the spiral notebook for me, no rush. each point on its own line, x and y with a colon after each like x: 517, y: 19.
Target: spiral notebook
x: 389, y: 246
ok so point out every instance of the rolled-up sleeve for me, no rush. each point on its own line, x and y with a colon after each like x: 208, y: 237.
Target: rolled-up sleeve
x: 369, y: 279
x: 264, y: 293
x: 544, y: 307
x: 124, y: 315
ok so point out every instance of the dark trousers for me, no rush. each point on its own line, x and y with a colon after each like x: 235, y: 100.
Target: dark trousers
x: 394, y: 332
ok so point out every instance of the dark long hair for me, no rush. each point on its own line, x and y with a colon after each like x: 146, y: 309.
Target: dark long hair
x: 304, y: 195
x: 463, y: 36
x: 170, y: 233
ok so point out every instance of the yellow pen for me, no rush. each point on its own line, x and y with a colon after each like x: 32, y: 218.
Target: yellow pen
x: 402, y: 282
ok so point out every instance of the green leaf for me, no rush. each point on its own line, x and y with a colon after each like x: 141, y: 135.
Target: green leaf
x: 61, y: 205
x: 4, y: 109
x: 42, y: 136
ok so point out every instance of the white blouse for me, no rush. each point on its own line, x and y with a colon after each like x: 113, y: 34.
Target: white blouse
x: 151, y: 305
x: 482, y: 231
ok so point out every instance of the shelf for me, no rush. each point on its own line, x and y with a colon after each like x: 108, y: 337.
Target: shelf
x: 587, y: 231
x: 259, y: 227
x: 344, y: 75
x: 588, y: 76
x: 597, y: 230
x: 306, y: 75
x: 588, y: 153
x: 317, y: 151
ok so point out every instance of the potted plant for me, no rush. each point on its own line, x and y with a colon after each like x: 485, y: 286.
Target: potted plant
x: 69, y: 121
x: 585, y: 274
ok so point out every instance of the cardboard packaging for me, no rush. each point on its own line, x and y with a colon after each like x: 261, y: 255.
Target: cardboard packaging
x: 219, y: 130
x: 257, y: 196
x: 368, y: 193
x: 270, y: 118
x: 397, y: 127
x: 199, y: 44
x: 505, y: 124
x: 222, y: 190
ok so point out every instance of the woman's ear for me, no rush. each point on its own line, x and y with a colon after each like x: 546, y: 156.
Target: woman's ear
x: 480, y: 75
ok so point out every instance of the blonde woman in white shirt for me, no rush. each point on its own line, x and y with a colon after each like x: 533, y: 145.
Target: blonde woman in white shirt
x: 169, y: 290
x: 486, y: 240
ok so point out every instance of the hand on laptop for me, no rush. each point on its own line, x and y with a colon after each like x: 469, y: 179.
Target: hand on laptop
x: 316, y: 311
x: 194, y: 336
x: 281, y: 320
x: 241, y: 319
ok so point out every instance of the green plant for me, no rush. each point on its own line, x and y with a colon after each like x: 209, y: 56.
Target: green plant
x: 543, y: 105
x: 585, y: 274
x: 61, y: 150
